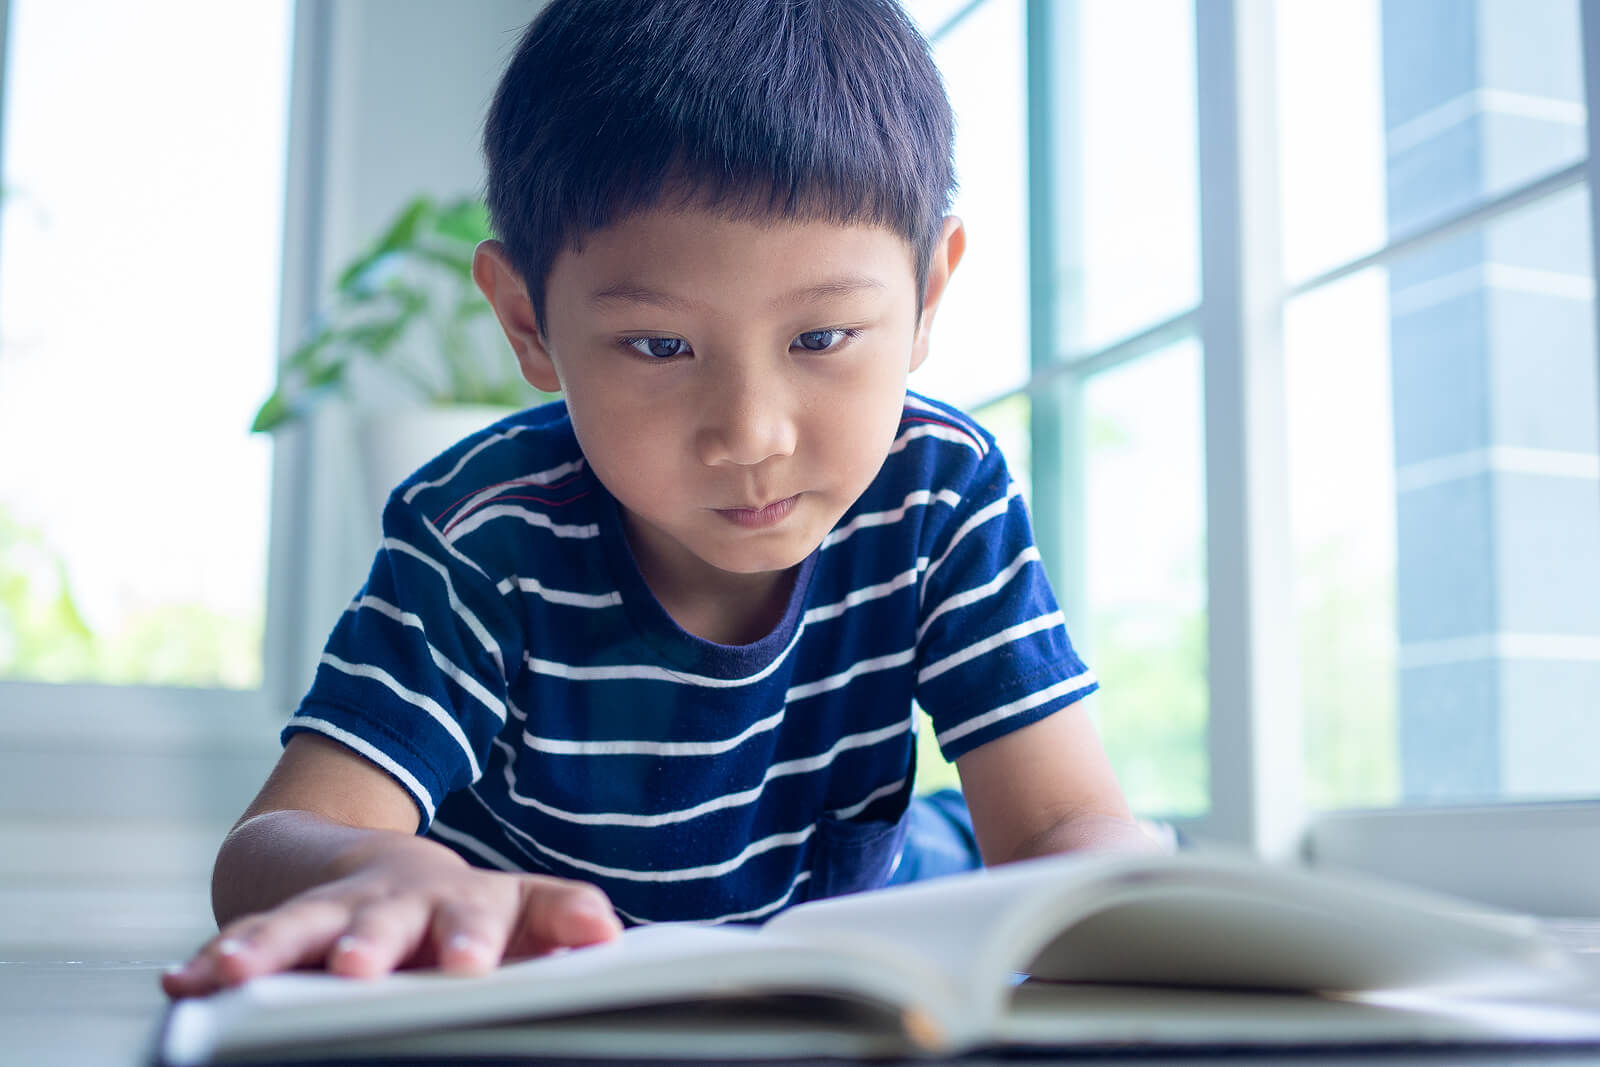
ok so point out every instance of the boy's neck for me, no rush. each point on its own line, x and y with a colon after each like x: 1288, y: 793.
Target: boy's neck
x: 712, y: 604
x: 731, y: 616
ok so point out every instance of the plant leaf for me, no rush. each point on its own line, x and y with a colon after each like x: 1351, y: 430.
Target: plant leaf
x: 465, y: 220
x: 306, y: 355
x: 322, y: 376
x: 401, y: 234
x: 457, y: 262
x: 273, y: 413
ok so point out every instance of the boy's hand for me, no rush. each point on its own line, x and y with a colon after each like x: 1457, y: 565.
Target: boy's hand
x: 419, y: 907
x: 325, y: 870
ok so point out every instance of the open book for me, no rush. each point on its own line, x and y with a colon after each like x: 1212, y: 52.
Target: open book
x: 1146, y: 951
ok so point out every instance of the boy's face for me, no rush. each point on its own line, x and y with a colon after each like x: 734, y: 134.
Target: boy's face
x: 736, y: 385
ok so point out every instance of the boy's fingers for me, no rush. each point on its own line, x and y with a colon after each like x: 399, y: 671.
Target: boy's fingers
x: 258, y: 944
x: 561, y: 914
x: 279, y: 940
x: 380, y: 936
x: 465, y: 928
x: 471, y: 940
x: 192, y: 978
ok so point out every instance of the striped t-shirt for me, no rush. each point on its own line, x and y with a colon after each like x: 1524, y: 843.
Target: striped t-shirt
x: 508, y: 666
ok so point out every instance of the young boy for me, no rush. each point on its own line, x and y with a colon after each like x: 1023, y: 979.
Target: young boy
x: 650, y: 653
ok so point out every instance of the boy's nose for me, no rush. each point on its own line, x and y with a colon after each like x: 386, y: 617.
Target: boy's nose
x: 746, y: 424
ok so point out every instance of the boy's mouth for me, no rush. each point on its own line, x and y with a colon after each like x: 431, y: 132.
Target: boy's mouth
x: 755, y: 518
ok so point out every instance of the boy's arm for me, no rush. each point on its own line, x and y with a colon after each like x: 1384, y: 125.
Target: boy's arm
x: 1047, y: 787
x: 325, y: 869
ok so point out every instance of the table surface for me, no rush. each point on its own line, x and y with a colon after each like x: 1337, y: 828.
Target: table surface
x: 106, y: 1012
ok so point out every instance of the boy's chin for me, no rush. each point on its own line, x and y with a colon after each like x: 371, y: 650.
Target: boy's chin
x: 753, y: 565
x: 755, y: 556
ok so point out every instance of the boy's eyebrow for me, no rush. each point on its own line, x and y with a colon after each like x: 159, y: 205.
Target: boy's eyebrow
x: 844, y: 285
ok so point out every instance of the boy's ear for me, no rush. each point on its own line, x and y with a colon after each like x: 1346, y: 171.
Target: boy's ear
x: 947, y: 252
x: 508, y: 295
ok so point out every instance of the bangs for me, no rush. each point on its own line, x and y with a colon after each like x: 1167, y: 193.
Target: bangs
x: 789, y: 109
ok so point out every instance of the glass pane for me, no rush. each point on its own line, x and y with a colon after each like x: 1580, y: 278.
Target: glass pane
x: 1341, y: 489
x: 1010, y: 421
x: 980, y: 340
x: 1144, y: 514
x: 1393, y: 115
x: 1445, y: 474
x: 139, y: 262
x: 1129, y: 190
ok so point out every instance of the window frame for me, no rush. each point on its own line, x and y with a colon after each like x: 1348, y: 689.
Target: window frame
x: 1254, y: 756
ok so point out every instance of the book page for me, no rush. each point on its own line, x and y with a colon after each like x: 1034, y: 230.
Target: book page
x: 1200, y: 920
x: 1045, y: 1014
x: 1293, y: 931
x: 730, y: 1029
x: 952, y: 925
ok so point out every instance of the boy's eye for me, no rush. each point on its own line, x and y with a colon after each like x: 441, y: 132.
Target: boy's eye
x: 822, y: 340
x: 658, y: 347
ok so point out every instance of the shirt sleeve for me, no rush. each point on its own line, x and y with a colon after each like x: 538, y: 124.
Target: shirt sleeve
x: 414, y: 674
x: 992, y: 648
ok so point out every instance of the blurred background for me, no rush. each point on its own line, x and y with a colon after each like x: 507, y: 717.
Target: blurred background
x: 1284, y: 311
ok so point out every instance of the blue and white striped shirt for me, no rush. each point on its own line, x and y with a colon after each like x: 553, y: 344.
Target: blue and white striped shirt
x: 507, y: 664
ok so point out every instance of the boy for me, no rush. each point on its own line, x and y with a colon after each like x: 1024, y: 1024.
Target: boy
x: 650, y: 653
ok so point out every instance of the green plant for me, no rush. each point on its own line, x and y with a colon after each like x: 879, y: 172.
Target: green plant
x: 408, y: 306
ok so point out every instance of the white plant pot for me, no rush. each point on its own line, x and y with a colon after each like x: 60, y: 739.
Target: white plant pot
x: 394, y: 444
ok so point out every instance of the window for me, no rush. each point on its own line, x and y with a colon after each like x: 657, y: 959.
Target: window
x: 1313, y: 406
x: 1115, y: 394
x: 143, y: 150
x: 1069, y: 331
x: 1144, y: 526
x: 1444, y: 457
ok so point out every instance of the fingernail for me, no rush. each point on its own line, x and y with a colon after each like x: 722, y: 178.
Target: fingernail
x: 232, y: 946
x: 350, y: 943
x: 468, y: 943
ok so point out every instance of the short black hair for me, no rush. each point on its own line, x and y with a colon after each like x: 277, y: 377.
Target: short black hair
x: 807, y: 109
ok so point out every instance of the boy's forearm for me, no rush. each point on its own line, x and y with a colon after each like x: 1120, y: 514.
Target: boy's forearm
x: 1088, y: 831
x: 270, y: 857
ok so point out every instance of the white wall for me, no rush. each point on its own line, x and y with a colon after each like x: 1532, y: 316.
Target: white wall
x: 405, y: 84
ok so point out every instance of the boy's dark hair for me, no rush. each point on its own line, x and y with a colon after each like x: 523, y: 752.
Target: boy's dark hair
x: 806, y: 109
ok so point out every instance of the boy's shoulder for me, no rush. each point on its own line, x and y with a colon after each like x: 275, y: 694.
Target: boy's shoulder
x: 925, y: 417
x: 938, y: 449
x: 529, y: 458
